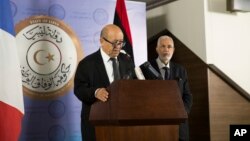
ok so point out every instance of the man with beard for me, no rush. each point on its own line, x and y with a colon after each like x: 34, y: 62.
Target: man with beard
x: 173, y: 71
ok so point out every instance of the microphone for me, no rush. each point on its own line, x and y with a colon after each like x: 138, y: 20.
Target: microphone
x: 149, y: 72
x: 128, y: 74
x: 124, y: 52
x: 128, y: 57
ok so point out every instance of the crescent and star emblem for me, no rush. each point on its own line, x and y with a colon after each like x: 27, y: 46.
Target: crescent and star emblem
x: 49, y: 57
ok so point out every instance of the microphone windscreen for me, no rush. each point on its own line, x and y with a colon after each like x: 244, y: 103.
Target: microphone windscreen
x: 149, y: 71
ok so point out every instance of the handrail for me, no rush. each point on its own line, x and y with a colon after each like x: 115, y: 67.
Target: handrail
x: 229, y: 81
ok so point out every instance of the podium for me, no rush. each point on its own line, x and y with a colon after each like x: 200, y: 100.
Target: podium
x: 139, y: 110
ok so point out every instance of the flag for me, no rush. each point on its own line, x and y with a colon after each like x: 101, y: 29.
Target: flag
x: 121, y: 20
x: 11, y: 94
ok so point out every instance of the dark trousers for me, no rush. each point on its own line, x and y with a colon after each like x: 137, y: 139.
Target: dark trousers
x: 88, y: 131
x: 184, y: 131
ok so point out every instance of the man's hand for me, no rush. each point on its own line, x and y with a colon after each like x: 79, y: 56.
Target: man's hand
x: 102, y: 94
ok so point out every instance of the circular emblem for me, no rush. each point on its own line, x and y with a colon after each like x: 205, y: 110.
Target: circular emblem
x: 57, y: 11
x: 56, y: 109
x: 101, y: 16
x: 49, y: 52
x: 56, y: 133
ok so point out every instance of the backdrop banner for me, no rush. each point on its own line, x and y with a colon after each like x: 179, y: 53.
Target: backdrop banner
x: 52, y: 37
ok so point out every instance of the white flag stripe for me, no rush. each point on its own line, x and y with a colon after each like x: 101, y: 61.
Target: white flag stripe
x: 10, y: 74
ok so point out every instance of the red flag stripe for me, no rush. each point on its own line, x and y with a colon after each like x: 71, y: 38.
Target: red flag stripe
x: 10, y: 128
x: 122, y: 14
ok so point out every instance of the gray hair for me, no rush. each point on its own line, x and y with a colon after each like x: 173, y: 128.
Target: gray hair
x: 164, y: 37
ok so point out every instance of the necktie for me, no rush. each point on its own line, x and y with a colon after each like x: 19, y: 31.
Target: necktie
x: 167, y: 73
x: 115, y: 68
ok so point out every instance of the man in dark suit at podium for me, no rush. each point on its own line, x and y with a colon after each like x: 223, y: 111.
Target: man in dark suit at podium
x: 96, y: 71
x: 172, y: 71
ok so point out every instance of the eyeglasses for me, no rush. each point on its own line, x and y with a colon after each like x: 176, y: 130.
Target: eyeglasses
x: 115, y: 44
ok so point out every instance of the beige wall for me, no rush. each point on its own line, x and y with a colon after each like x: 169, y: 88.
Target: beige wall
x: 185, y: 19
x: 228, y: 44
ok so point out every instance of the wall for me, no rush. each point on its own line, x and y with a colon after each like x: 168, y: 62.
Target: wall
x: 185, y: 19
x: 228, y: 43
x: 215, y: 35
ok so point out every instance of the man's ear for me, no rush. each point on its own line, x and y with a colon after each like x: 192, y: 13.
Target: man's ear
x: 156, y: 49
x: 101, y: 40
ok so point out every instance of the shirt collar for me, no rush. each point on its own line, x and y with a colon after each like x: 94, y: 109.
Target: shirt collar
x: 105, y: 56
x: 160, y: 64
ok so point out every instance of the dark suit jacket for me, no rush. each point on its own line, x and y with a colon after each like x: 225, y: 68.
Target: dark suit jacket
x: 179, y: 73
x: 90, y: 75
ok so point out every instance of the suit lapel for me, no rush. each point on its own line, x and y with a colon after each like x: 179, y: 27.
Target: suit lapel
x: 172, y: 70
x: 101, y: 69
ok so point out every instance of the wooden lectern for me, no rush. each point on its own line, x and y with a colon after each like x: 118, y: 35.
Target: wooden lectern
x: 139, y: 110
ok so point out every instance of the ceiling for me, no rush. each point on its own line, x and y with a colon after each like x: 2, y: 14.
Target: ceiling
x: 154, y: 3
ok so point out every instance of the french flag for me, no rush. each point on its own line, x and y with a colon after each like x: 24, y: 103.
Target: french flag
x: 11, y: 94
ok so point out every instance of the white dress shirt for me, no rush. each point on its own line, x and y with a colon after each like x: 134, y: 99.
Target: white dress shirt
x: 108, y: 65
x: 161, y: 67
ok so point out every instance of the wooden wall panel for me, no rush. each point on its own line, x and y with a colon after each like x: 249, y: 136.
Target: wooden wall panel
x: 226, y: 106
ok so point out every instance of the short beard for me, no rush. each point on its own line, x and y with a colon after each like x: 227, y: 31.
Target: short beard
x: 165, y: 60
